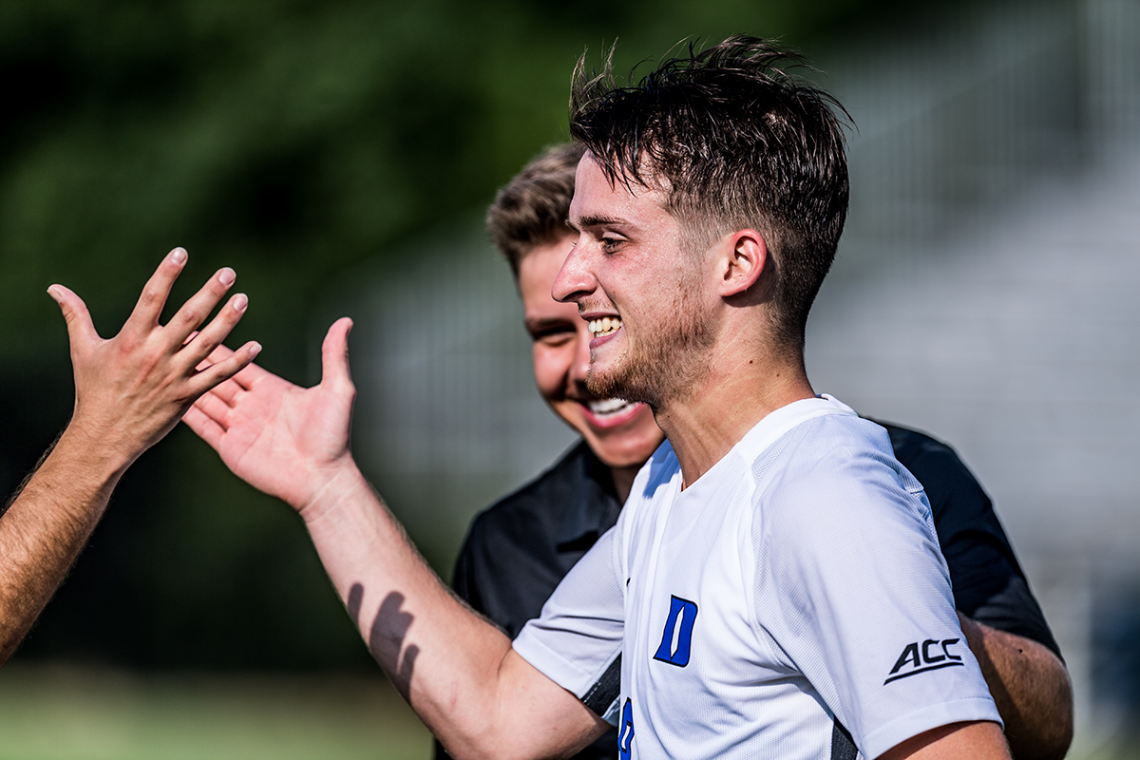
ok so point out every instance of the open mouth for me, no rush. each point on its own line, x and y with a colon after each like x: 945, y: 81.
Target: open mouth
x: 604, y: 326
x: 609, y: 407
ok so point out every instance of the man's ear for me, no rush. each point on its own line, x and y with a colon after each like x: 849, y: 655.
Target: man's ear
x: 745, y: 255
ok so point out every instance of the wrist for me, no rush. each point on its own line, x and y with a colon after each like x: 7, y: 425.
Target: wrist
x: 105, y: 442
x: 76, y: 475
x: 92, y: 457
x: 333, y: 484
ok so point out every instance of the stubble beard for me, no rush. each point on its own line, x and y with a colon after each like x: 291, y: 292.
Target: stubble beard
x: 665, y: 366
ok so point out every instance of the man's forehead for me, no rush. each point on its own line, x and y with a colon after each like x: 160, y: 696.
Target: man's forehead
x: 601, y: 199
x: 646, y: 179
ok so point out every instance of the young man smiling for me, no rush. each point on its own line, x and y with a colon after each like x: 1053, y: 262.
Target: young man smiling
x: 518, y: 550
x: 773, y: 585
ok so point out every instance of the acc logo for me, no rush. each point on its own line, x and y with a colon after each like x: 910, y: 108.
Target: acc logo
x: 677, y: 639
x: 922, y: 658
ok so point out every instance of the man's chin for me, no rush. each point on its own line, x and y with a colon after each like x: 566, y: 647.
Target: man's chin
x: 617, y: 383
x: 606, y: 381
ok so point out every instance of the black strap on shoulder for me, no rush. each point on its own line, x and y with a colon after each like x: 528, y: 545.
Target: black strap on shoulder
x: 606, y: 689
x: 842, y: 745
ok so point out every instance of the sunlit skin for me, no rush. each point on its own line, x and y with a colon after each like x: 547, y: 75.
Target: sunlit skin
x: 652, y: 284
x: 628, y: 257
x: 689, y: 341
x: 624, y: 438
x: 460, y: 674
x: 130, y: 390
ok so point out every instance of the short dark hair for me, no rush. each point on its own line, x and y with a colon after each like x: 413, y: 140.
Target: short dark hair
x: 531, y: 209
x: 736, y: 140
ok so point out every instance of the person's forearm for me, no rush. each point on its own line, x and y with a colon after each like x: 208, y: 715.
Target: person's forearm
x: 456, y: 670
x: 130, y: 390
x: 47, y: 525
x: 1031, y: 688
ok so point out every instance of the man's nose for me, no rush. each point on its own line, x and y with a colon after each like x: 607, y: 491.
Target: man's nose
x: 574, y: 279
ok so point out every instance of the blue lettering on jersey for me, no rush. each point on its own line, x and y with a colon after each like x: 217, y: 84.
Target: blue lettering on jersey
x: 677, y: 639
x: 625, y: 734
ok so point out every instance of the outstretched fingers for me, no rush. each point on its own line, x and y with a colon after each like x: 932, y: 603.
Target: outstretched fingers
x: 194, y: 312
x: 224, y: 369
x: 207, y: 340
x: 154, y: 294
x: 215, y: 407
x: 244, y: 379
x: 227, y: 390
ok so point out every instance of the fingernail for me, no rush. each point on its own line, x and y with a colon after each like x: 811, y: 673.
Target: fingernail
x: 53, y: 291
x: 178, y: 256
x: 226, y: 276
x: 240, y: 302
x: 254, y: 349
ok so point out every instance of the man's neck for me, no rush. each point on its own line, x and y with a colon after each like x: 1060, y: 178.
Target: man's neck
x: 709, y: 420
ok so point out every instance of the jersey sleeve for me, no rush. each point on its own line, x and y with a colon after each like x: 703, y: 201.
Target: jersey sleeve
x: 853, y: 590
x: 577, y: 640
x: 988, y: 582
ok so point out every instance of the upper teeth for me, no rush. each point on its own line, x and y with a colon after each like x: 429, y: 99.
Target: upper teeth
x: 605, y: 325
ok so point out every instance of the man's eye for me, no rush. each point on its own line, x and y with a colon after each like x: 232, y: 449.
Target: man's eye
x: 610, y: 244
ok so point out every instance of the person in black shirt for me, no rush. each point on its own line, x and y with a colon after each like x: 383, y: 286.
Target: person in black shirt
x: 518, y: 550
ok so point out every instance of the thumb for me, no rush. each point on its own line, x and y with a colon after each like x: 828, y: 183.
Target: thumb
x: 80, y: 329
x: 334, y: 354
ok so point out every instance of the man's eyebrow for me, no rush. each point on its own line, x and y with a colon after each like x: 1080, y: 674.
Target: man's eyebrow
x: 597, y: 221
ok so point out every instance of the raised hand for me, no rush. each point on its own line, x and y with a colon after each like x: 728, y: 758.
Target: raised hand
x: 132, y: 389
x: 129, y: 392
x: 287, y: 441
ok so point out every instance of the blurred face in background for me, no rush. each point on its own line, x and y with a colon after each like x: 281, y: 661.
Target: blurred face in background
x: 620, y: 433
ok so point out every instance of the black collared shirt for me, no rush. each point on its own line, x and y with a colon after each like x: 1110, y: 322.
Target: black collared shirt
x: 518, y: 550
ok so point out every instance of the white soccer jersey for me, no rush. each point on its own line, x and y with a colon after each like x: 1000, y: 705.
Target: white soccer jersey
x: 791, y: 603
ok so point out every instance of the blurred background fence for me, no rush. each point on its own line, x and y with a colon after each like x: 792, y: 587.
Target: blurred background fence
x: 339, y: 156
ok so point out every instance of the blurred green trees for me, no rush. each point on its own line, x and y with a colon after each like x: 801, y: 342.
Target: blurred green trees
x: 288, y: 140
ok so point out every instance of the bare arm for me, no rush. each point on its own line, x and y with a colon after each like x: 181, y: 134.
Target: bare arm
x: 456, y: 670
x: 130, y: 391
x: 1031, y: 688
x: 978, y: 740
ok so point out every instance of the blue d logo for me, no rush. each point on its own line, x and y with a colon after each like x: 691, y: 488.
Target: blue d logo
x: 677, y: 639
